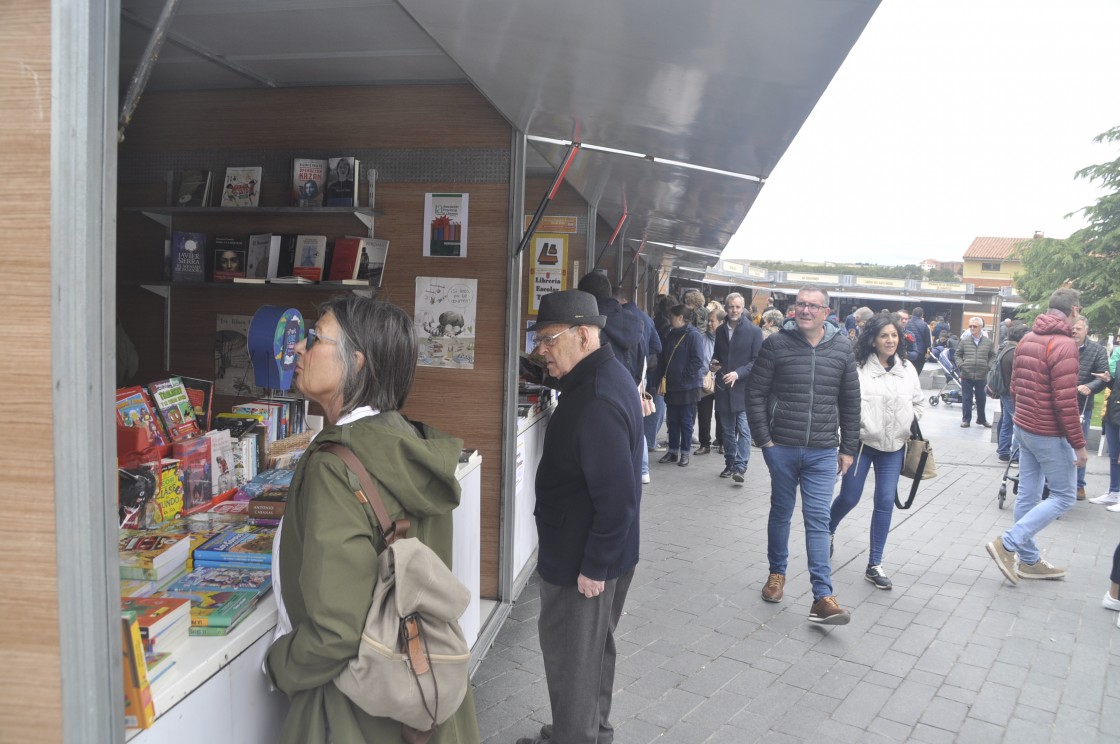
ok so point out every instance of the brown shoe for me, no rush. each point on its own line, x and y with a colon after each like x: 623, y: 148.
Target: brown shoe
x: 1081, y: 493
x: 775, y: 588
x: 827, y: 612
x: 702, y: 451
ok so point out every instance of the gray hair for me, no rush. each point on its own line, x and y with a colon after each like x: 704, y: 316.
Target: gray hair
x: 384, y: 335
x: 733, y: 296
x: 1065, y: 299
x: 774, y: 317
x: 863, y: 314
x: 815, y: 288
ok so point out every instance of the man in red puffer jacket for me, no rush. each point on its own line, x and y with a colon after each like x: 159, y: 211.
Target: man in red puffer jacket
x: 1051, y: 441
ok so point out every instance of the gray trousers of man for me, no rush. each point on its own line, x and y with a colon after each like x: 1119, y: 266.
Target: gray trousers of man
x: 577, y: 642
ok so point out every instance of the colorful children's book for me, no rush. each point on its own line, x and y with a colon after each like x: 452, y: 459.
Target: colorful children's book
x: 139, y: 712
x: 219, y: 609
x: 239, y: 547
x: 200, y: 393
x: 222, y: 580
x: 275, y: 480
x: 150, y: 555
x: 309, y: 177
x: 175, y: 408
x: 135, y: 409
x: 242, y: 187
x: 188, y: 257
x: 195, y: 470
x: 156, y: 614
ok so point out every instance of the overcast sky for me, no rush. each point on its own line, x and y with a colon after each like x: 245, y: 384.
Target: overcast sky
x: 950, y: 119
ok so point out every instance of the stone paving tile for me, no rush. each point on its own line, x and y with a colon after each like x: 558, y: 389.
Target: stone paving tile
x: 953, y: 653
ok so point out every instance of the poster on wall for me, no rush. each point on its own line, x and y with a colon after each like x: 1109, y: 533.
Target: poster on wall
x: 548, y: 270
x: 445, y: 321
x: 445, y: 225
x: 233, y: 371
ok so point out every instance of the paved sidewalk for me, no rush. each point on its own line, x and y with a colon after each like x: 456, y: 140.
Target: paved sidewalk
x: 953, y: 653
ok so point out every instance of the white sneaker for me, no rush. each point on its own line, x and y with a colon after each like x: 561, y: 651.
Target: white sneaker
x: 1114, y: 508
x: 1112, y: 497
x: 645, y: 477
x: 1109, y: 603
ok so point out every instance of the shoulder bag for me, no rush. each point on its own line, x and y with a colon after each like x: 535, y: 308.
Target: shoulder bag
x: 412, y: 662
x: 662, y: 388
x: 917, y: 463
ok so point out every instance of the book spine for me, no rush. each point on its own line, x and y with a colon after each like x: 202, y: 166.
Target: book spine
x: 267, y: 509
x: 139, y: 711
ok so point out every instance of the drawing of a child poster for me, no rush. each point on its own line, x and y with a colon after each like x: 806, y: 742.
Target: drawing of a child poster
x: 445, y: 321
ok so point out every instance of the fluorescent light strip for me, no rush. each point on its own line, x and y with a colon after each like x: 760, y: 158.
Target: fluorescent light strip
x: 688, y: 268
x: 686, y: 249
x: 641, y: 156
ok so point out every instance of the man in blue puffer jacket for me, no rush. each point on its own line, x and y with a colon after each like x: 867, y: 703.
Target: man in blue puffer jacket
x: 803, y: 406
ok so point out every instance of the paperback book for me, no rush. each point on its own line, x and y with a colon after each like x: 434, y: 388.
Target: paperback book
x: 342, y: 182
x: 200, y: 393
x: 194, y: 188
x: 135, y: 409
x: 139, y: 712
x: 242, y: 187
x: 174, y: 406
x: 151, y: 556
x: 257, y: 260
x: 223, y: 580
x: 371, y: 267
x: 229, y: 254
x: 239, y: 547
x: 309, y: 178
x: 311, y: 255
x: 188, y: 257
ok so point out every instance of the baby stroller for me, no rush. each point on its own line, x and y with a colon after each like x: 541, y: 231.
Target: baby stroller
x: 950, y: 392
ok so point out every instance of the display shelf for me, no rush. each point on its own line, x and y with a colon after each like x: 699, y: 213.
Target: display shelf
x: 165, y: 215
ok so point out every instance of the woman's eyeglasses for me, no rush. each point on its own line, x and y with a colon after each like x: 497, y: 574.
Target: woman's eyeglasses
x: 549, y: 341
x: 314, y: 337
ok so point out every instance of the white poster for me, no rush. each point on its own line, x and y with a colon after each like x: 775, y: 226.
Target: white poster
x: 548, y: 270
x: 445, y: 225
x: 445, y: 321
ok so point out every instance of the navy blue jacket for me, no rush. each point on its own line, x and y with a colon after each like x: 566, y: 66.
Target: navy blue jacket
x: 653, y: 340
x: 684, y: 367
x: 736, y: 353
x: 922, y: 339
x: 589, y: 479
x: 627, y: 336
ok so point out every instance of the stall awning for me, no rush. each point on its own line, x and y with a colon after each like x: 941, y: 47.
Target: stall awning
x: 864, y: 294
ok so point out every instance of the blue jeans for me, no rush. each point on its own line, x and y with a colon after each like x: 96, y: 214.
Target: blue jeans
x: 814, y: 468
x: 1086, y: 419
x: 973, y: 389
x: 680, y: 421
x: 736, y: 439
x: 653, y: 423
x: 888, y: 467
x: 1006, y: 425
x: 1112, y: 435
x: 1041, y: 460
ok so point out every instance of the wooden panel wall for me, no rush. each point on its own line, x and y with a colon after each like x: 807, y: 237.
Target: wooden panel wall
x: 428, y: 119
x: 30, y: 687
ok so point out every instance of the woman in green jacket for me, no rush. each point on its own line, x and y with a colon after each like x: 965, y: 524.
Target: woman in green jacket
x: 358, y: 363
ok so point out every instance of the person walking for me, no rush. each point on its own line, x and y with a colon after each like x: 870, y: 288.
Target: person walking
x: 1006, y: 358
x: 587, y: 513
x: 1111, y: 497
x: 736, y: 347
x: 803, y: 406
x: 1093, y: 365
x: 706, y: 407
x: 923, y: 339
x: 975, y: 353
x: 1051, y: 442
x: 682, y: 360
x: 891, y: 399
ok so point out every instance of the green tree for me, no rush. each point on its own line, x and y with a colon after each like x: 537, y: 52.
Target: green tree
x: 943, y: 275
x: 1088, y: 259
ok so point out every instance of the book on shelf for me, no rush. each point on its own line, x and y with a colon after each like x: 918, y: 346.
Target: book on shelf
x: 136, y: 409
x: 268, y: 412
x: 237, y: 425
x: 221, y: 461
x: 200, y: 393
x: 222, y: 580
x: 257, y: 256
x: 151, y: 556
x: 237, y: 547
x: 193, y: 188
x: 345, y: 259
x: 195, y: 471
x: 139, y: 711
x: 175, y: 409
x: 371, y: 267
x: 342, y: 182
x: 292, y: 280
x: 242, y: 186
x: 311, y: 255
x: 309, y: 178
x: 371, y: 187
x: 229, y: 253
x: 188, y: 257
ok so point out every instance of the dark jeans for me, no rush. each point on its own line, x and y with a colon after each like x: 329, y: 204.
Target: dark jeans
x: 970, y: 389
x: 1086, y: 419
x: 704, y: 409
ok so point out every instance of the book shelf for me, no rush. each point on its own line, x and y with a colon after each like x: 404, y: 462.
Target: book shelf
x: 166, y: 215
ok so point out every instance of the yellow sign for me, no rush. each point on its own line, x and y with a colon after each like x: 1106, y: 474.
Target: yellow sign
x: 732, y: 267
x: 815, y: 278
x: 555, y: 224
x: 548, y: 271
x: 757, y: 272
x: 869, y: 281
x: 944, y: 287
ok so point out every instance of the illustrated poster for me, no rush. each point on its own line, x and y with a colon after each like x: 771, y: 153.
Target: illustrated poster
x: 445, y: 321
x: 548, y: 271
x: 233, y: 372
x: 445, y: 225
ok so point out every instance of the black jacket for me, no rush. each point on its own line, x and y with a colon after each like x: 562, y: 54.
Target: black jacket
x: 682, y: 362
x: 1093, y: 358
x: 736, y: 353
x: 626, y: 334
x: 800, y: 395
x: 589, y: 479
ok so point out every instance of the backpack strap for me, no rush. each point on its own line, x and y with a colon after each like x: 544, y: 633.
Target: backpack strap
x: 369, y: 496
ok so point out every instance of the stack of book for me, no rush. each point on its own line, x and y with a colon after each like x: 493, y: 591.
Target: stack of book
x: 139, y: 710
x: 164, y: 624
x: 248, y: 546
x: 152, y: 556
x: 220, y: 597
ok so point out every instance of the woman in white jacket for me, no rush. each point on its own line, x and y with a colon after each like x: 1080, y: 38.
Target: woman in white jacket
x: 891, y: 399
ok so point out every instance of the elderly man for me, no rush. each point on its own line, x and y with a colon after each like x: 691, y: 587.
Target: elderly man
x: 736, y: 345
x: 1048, y: 430
x: 588, y: 497
x: 975, y: 353
x: 803, y: 403
x: 1091, y: 374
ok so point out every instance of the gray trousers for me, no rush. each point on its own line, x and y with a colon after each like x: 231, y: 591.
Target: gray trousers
x: 577, y: 642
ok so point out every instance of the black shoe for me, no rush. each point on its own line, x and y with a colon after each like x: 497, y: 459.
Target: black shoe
x: 965, y: 424
x: 720, y: 449
x: 1005, y: 458
x: 985, y: 424
x: 727, y: 473
x: 684, y: 460
x: 737, y: 476
x: 875, y: 575
x: 704, y: 450
x: 668, y: 457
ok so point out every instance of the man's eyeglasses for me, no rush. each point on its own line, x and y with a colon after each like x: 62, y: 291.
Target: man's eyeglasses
x: 314, y: 337
x: 549, y: 341
x: 812, y: 307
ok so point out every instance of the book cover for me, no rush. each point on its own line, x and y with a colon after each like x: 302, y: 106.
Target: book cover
x: 218, y: 608
x: 150, y: 556
x: 188, y: 257
x: 229, y: 254
x: 200, y: 393
x: 230, y: 508
x: 257, y: 256
x: 157, y: 614
x: 168, y: 503
x: 269, y: 505
x: 309, y: 178
x: 311, y: 255
x: 233, y: 371
x: 139, y: 712
x: 285, y: 256
x: 222, y: 580
x: 371, y: 266
x: 194, y: 469
x: 194, y: 188
x: 345, y: 259
x: 243, y: 547
x: 135, y: 409
x: 174, y: 407
x: 241, y: 187
x: 342, y: 182
x: 158, y: 665
x: 268, y: 480
x: 221, y: 461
